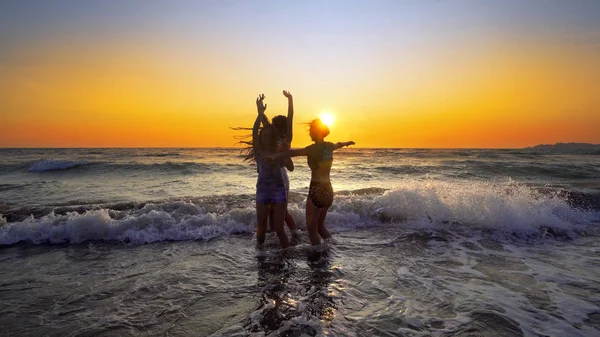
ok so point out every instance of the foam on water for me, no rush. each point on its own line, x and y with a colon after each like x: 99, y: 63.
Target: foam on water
x: 497, y: 285
x: 372, y: 282
x: 507, y: 207
x: 426, y: 244
x: 501, y: 206
x: 149, y: 224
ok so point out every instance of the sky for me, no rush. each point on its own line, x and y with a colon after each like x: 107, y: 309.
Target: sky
x: 399, y: 73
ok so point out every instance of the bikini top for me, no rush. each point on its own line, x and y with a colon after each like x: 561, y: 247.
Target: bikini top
x: 320, y: 155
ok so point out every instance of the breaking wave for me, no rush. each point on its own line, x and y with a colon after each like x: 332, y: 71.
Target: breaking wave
x: 437, y: 205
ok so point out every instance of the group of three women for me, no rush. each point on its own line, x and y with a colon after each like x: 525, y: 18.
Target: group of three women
x: 271, y: 151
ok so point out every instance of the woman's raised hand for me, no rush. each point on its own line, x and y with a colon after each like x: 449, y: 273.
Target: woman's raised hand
x: 287, y: 94
x: 260, y: 105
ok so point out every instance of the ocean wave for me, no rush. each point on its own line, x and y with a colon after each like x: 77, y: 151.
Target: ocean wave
x: 173, y: 167
x: 407, y: 169
x: 172, y: 154
x: 150, y: 224
x: 54, y: 165
x: 520, y: 169
x: 438, y: 205
x: 6, y: 187
x: 462, y: 153
x: 505, y: 206
x: 103, y: 167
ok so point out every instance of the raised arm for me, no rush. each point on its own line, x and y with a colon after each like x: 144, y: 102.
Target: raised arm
x: 265, y: 120
x: 339, y: 145
x: 290, y: 117
x: 261, y: 107
x: 263, y: 117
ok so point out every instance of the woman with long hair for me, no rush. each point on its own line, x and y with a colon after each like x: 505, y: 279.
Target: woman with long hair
x: 271, y: 195
x: 284, y: 134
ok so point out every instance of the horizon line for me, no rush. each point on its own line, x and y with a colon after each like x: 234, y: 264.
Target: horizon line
x: 233, y: 148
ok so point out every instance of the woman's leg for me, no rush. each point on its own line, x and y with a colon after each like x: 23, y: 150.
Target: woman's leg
x: 312, y: 224
x: 291, y: 223
x: 270, y: 222
x: 309, y: 211
x: 323, y: 232
x: 278, y: 218
x: 262, y: 215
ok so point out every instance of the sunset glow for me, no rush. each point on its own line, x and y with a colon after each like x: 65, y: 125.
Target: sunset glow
x: 397, y: 73
x: 327, y: 119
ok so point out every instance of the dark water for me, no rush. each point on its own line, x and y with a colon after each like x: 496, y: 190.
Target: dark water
x: 428, y: 243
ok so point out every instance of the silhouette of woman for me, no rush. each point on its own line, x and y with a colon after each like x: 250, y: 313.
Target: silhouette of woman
x: 320, y: 194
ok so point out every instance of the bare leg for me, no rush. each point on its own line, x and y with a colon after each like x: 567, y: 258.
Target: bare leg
x: 278, y: 218
x: 291, y: 223
x: 270, y: 228
x: 312, y: 224
x: 262, y: 214
x: 323, y: 232
x: 309, y: 211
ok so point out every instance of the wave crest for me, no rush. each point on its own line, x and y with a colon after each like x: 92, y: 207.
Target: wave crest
x: 507, y: 206
x: 147, y: 225
x: 501, y: 207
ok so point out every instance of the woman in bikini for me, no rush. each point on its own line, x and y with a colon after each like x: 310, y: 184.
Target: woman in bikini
x: 320, y: 193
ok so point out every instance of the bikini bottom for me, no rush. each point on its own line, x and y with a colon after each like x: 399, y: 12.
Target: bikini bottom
x: 320, y: 194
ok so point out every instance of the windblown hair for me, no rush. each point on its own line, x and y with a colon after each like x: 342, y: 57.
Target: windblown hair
x: 249, y: 152
x: 280, y: 124
x: 319, y: 128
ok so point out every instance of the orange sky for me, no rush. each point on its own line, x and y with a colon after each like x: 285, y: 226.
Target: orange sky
x: 429, y: 88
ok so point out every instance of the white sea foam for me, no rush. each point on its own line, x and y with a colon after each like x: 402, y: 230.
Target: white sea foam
x: 511, y: 286
x: 54, y: 165
x: 502, y: 206
x: 430, y: 204
x: 147, y: 225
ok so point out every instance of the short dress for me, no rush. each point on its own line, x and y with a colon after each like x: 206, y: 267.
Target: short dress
x: 270, y: 186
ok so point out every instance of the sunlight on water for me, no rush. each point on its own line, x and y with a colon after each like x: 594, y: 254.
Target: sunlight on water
x: 428, y: 242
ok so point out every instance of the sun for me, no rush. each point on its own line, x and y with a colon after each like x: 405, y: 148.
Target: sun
x: 327, y: 118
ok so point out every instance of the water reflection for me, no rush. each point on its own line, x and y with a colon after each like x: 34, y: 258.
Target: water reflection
x: 295, y: 294
x: 274, y: 272
x: 320, y: 302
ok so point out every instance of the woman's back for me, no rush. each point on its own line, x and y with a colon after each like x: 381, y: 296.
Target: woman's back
x: 269, y: 170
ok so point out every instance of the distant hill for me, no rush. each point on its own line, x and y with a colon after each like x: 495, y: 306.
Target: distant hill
x: 567, y: 148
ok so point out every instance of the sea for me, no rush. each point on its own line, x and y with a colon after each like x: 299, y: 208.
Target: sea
x: 426, y: 242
